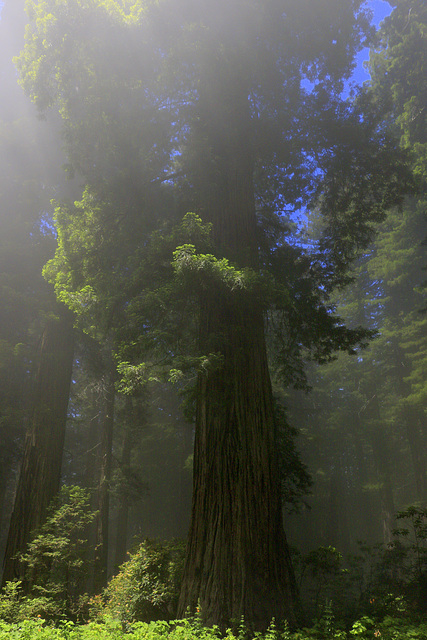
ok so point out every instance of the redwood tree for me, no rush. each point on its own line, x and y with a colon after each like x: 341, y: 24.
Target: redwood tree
x: 236, y: 560
x: 235, y: 109
x: 40, y: 474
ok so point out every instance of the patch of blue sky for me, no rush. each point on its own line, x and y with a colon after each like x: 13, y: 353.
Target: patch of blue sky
x: 380, y: 10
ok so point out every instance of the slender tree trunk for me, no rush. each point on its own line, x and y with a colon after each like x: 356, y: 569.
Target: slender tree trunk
x: 102, y: 536
x: 413, y: 420
x: 386, y: 492
x: 414, y: 433
x: 236, y: 555
x: 122, y: 532
x: 40, y: 474
x: 185, y: 481
x: 91, y: 481
x: 337, y: 530
x: 8, y: 481
x: 380, y: 449
x: 365, y: 509
x: 123, y: 510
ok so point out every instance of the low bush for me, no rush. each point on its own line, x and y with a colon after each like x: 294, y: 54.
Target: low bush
x: 147, y: 585
x: 55, y: 561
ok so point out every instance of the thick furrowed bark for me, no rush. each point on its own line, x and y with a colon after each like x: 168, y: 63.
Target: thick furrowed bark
x: 236, y: 564
x: 237, y: 555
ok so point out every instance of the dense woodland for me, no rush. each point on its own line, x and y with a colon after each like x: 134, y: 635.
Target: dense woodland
x: 212, y: 315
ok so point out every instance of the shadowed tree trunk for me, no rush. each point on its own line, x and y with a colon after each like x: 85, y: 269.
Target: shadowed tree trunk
x: 40, y: 473
x: 414, y: 420
x: 337, y: 529
x: 123, y: 510
x: 91, y: 480
x: 416, y: 439
x: 236, y: 551
x: 102, y: 535
x: 366, y: 512
x: 380, y: 450
x: 236, y: 555
x: 185, y: 480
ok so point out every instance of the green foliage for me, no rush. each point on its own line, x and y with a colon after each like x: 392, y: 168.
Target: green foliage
x: 322, y: 577
x: 379, y: 581
x: 360, y: 627
x: 295, y: 477
x: 323, y: 561
x: 128, y: 124
x: 10, y: 597
x: 413, y: 539
x: 204, y: 271
x: 398, y: 66
x: 133, y: 378
x: 363, y: 629
x: 16, y: 606
x: 326, y: 626
x: 55, y: 562
x: 147, y: 585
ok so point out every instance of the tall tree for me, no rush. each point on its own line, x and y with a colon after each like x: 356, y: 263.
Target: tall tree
x: 40, y: 473
x: 383, y: 400
x: 398, y: 66
x: 218, y: 101
x: 29, y: 161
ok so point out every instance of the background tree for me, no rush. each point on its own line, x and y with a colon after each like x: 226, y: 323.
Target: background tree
x: 380, y: 398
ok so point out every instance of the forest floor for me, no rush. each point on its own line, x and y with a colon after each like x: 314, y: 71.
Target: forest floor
x: 363, y: 629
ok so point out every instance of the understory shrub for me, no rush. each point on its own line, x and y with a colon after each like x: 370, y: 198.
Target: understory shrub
x: 378, y: 581
x: 56, y: 563
x: 322, y: 577
x: 147, y: 585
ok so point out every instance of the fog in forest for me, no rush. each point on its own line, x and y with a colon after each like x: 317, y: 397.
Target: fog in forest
x: 208, y: 231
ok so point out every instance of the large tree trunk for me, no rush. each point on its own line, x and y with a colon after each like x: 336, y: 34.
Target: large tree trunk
x: 236, y: 552
x: 236, y: 556
x: 40, y: 474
